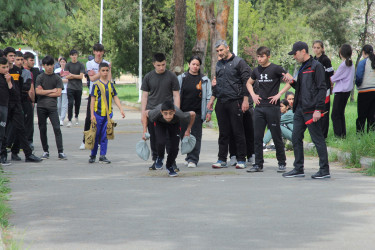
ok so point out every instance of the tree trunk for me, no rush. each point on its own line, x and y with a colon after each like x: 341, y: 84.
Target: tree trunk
x: 219, y: 27
x: 177, y: 62
x: 203, y: 31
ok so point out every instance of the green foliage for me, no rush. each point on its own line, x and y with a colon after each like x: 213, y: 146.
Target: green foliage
x: 371, y: 170
x: 5, y: 211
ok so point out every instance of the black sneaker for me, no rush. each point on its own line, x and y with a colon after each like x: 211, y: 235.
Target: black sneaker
x: 175, y: 168
x: 45, y: 156
x: 31, y: 146
x: 62, y: 156
x: 33, y: 158
x: 92, y: 159
x: 255, y: 168
x: 321, y: 175
x: 159, y: 163
x: 282, y: 168
x: 15, y: 157
x: 103, y: 159
x: 152, y: 167
x: 294, y: 173
x: 271, y: 148
x: 171, y: 172
x: 4, y: 161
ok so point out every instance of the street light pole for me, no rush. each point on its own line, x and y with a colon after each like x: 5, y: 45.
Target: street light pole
x: 140, y: 52
x: 101, y: 22
x: 235, y: 27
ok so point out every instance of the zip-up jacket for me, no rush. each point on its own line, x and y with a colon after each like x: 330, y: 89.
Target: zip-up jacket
x: 231, y: 78
x: 206, y: 93
x: 365, y: 76
x: 310, y: 87
x: 326, y: 62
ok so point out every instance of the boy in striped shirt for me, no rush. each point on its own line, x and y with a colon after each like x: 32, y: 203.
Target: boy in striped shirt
x: 99, y: 111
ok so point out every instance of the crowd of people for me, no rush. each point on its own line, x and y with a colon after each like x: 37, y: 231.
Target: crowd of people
x: 248, y: 104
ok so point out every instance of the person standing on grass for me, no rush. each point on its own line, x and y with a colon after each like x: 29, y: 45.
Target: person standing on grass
x: 62, y: 101
x: 309, y: 104
x: 76, y: 70
x: 158, y: 86
x: 267, y: 109
x: 98, y: 110
x: 195, y: 93
x: 318, y: 48
x: 48, y: 87
x: 343, y: 78
x: 92, y: 68
x: 365, y: 81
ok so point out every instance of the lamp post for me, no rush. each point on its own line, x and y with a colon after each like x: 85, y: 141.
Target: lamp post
x: 101, y: 22
x: 140, y: 53
x: 235, y: 27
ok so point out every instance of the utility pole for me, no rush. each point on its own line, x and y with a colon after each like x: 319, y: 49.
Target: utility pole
x: 140, y: 52
x: 101, y: 22
x: 235, y: 27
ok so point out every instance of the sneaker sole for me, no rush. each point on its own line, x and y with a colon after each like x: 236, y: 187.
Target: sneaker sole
x: 192, y: 166
x: 103, y: 162
x: 322, y: 177
x: 218, y: 167
x: 159, y: 168
x: 173, y: 175
x: 63, y: 159
x: 281, y: 171
x: 238, y: 167
x: 292, y: 176
x: 6, y: 164
x: 45, y: 158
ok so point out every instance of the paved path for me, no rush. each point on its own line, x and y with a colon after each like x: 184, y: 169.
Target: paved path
x: 74, y: 205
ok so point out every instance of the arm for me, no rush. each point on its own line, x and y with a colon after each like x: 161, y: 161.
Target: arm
x: 55, y: 94
x: 275, y: 98
x: 40, y: 91
x: 250, y: 88
x: 144, y: 120
x: 73, y: 76
x: 192, y: 119
x: 176, y: 98
x: 209, y: 95
x: 32, y: 93
x: 210, y: 104
x: 322, y: 89
x: 360, y: 72
x: 8, y: 79
x: 144, y: 99
x: 339, y: 74
x: 92, y: 104
x: 118, y: 104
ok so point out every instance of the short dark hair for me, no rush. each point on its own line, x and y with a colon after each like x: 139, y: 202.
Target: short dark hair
x: 103, y: 64
x: 72, y: 52
x: 167, y: 105
x: 98, y: 47
x: 8, y: 50
x: 320, y: 42
x: 158, y: 57
x: 3, y: 61
x: 285, y: 102
x: 28, y: 55
x: 48, y: 60
x: 1, y: 53
x: 288, y: 93
x: 263, y: 50
x: 63, y: 58
x: 19, y: 54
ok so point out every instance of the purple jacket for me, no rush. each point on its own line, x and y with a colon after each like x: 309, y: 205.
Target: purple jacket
x: 343, y: 77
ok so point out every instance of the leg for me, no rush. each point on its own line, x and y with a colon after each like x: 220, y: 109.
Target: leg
x: 88, y: 117
x: 249, y: 132
x: 19, y: 129
x: 55, y: 121
x: 59, y: 104
x: 196, y: 130
x: 29, y: 119
x: 99, y: 130
x: 151, y: 131
x: 273, y: 121
x: 259, y: 127
x: 64, y: 106
x: 362, y: 107
x: 77, y: 101
x: 325, y: 119
x: 235, y: 115
x: 371, y: 113
x: 224, y: 130
x: 160, y: 136
x: 3, y: 122
x: 42, y: 123
x: 286, y: 133
x: 267, y: 137
x: 297, y: 139
x: 173, y: 131
x: 103, y: 137
x: 70, y: 93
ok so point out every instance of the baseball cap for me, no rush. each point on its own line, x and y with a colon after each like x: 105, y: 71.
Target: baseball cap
x: 299, y: 46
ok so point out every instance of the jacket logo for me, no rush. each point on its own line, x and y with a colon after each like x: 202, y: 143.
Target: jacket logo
x: 264, y: 77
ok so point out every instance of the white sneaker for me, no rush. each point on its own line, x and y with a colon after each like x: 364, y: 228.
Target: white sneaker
x: 233, y: 161
x: 251, y: 160
x: 69, y: 124
x: 77, y: 122
x: 61, y: 123
x: 82, y: 147
x: 192, y: 165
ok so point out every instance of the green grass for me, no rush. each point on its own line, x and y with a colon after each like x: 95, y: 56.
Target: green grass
x: 5, y: 211
x: 371, y: 170
x: 127, y: 92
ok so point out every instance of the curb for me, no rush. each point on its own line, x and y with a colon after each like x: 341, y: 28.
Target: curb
x: 343, y: 157
x: 132, y: 104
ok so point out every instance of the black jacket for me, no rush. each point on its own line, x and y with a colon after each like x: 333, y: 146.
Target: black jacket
x: 310, y: 87
x: 231, y: 78
x: 326, y: 62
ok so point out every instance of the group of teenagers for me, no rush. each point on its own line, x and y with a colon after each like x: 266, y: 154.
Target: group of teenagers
x: 53, y: 91
x: 174, y: 107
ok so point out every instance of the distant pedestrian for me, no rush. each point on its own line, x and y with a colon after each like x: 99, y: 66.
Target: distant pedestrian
x: 62, y: 101
x: 99, y: 103
x: 195, y: 93
x: 318, y: 48
x: 343, y: 77
x: 77, y: 71
x: 365, y: 81
x: 48, y: 88
x: 309, y: 104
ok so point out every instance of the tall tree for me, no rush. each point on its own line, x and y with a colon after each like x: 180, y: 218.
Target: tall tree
x: 177, y: 61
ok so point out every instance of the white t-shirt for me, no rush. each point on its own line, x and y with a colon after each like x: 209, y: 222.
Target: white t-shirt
x: 57, y: 71
x: 92, y: 65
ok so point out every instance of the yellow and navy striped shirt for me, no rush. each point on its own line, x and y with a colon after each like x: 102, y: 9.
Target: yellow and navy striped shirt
x: 110, y: 92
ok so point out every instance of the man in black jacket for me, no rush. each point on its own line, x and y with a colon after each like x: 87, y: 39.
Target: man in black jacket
x: 232, y: 73
x: 308, y: 108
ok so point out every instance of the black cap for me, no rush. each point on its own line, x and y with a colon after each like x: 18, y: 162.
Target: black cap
x: 299, y: 46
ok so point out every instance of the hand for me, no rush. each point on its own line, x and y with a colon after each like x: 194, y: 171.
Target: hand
x: 274, y: 98
x: 93, y: 119
x: 213, y: 83
x: 8, y: 78
x: 245, y: 106
x: 210, y: 105
x: 208, y: 117
x: 288, y: 78
x: 69, y: 76
x: 187, y: 133
x: 256, y: 99
x: 316, y: 116
x: 91, y: 73
x: 144, y: 136
x: 122, y: 114
x: 54, y: 90
x: 40, y: 87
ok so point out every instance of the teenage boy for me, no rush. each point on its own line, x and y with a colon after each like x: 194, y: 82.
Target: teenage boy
x: 6, y: 86
x: 158, y: 86
x: 76, y: 70
x: 28, y: 63
x: 15, y: 112
x: 166, y: 119
x: 99, y: 111
x: 18, y: 61
x: 93, y: 73
x: 308, y: 104
x: 267, y: 109
x: 48, y: 88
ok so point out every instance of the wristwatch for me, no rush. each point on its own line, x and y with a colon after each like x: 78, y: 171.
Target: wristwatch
x: 317, y: 111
